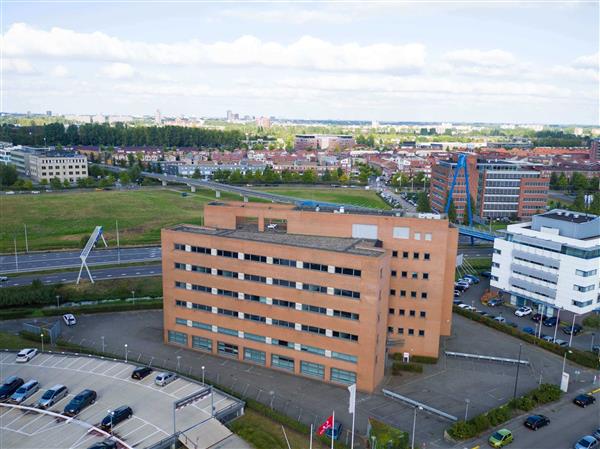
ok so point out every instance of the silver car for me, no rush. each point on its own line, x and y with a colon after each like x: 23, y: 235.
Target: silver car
x: 25, y: 391
x: 52, y: 396
x: 163, y: 379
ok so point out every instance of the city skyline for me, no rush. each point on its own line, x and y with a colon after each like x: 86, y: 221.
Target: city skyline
x: 432, y: 62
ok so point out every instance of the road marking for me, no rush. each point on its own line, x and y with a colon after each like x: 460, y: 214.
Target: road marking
x: 147, y: 437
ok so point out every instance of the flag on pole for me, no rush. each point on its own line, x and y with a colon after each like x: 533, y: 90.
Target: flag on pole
x: 352, y: 403
x: 328, y: 424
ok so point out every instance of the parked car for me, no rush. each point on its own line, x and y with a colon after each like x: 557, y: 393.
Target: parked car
x: 596, y: 434
x: 25, y: 355
x: 3, y: 278
x: 561, y: 343
x: 495, y: 302
x: 500, y: 319
x: 548, y: 338
x: 523, y: 311
x: 141, y: 372
x: 460, y: 287
x: 25, y: 391
x: 537, y: 317
x: 474, y: 278
x: 534, y: 422
x: 116, y: 416
x: 501, y: 438
x: 583, y: 400
x: 163, y: 379
x: 69, y: 319
x: 456, y: 293
x: 587, y: 442
x: 529, y: 330
x: 483, y: 313
x: 462, y: 283
x: 106, y: 444
x: 52, y: 396
x: 9, y: 386
x: 456, y: 302
x: 486, y: 274
x: 463, y: 306
x: 550, y: 321
x: 572, y: 329
x: 79, y: 402
x: 596, y: 349
x: 335, y: 432
x: 467, y: 280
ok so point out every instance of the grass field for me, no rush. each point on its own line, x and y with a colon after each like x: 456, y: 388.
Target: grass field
x: 61, y: 220
x: 357, y: 197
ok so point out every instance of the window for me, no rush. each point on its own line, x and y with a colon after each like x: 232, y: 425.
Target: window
x: 255, y: 298
x: 348, y: 271
x: 428, y: 236
x: 343, y: 376
x: 251, y: 317
x: 403, y: 293
x: 423, y: 295
x: 413, y: 294
x: 282, y: 303
x: 284, y: 262
x: 255, y: 356
x: 279, y: 361
x: 401, y: 312
x: 312, y: 350
x: 411, y: 332
x: 283, y: 323
x: 404, y: 274
x: 394, y: 273
x: 314, y: 288
x: 405, y: 254
x: 417, y: 236
x: 426, y: 256
x: 255, y: 278
x: 394, y: 253
x: 391, y: 311
x: 227, y: 331
x: 425, y: 275
x: 284, y: 343
x: 179, y: 303
x: 582, y: 289
x: 497, y: 251
x: 401, y: 331
x: 411, y: 313
x: 586, y: 274
x: 285, y: 283
x: 344, y: 336
x: 312, y: 369
x: 582, y: 303
x: 313, y: 329
x: 415, y: 255
x: 346, y: 293
x: 314, y: 309
x: 314, y: 266
x: 415, y: 275
x: 392, y: 292
x: 347, y: 315
x: 227, y: 349
x: 230, y: 254
x: 204, y: 326
x: 421, y: 333
x: 181, y: 321
x: 401, y: 233
x: 227, y: 312
x: 342, y: 356
x: 254, y: 337
x: 390, y: 330
x: 255, y: 258
x: 422, y: 314
x: 202, y: 343
x: 179, y: 338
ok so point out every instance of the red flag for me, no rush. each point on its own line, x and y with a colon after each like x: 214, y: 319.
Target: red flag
x: 328, y: 424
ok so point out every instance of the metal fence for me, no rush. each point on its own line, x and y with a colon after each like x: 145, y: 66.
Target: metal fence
x: 51, y: 330
x: 487, y: 358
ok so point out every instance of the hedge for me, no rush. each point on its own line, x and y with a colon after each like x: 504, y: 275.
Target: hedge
x: 411, y: 367
x: 387, y: 436
x: 544, y: 394
x: 583, y: 358
x: 424, y: 359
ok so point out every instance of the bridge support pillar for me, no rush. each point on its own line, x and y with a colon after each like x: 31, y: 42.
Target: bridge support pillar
x: 193, y: 189
x: 245, y: 199
x: 472, y: 241
x: 217, y: 194
x: 164, y: 183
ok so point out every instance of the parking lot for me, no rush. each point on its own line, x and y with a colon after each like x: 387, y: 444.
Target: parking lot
x: 152, y: 405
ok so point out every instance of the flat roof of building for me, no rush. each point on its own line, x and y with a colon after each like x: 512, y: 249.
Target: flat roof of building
x: 572, y: 217
x: 359, y: 247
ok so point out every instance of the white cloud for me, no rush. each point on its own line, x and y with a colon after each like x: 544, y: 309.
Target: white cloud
x: 305, y: 53
x: 60, y: 71
x: 488, y: 58
x: 588, y: 62
x: 118, y: 70
x: 20, y: 66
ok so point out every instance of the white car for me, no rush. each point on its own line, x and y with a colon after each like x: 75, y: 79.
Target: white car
x: 523, y: 311
x: 69, y: 319
x: 500, y: 319
x: 163, y: 379
x: 467, y: 280
x: 25, y: 355
x: 272, y: 226
x: 463, y: 306
x: 9, y: 192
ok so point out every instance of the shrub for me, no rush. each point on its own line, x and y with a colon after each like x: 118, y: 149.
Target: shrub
x: 462, y: 430
x: 387, y: 436
x: 524, y: 403
x: 424, y: 359
x: 480, y: 423
x: 592, y: 321
x: 397, y: 367
x: 499, y: 415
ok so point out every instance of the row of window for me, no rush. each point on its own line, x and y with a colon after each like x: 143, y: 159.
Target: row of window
x: 420, y: 332
x: 532, y: 276
x: 402, y: 312
x: 413, y: 294
x: 587, y: 273
x: 413, y: 275
x: 585, y: 288
x: 276, y: 261
x: 415, y: 255
x: 273, y: 341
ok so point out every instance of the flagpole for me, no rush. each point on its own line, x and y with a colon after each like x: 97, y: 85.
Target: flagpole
x: 332, y: 427
x: 352, y: 409
x: 352, y: 437
x: 311, y: 432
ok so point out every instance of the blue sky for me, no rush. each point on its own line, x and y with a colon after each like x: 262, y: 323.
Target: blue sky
x: 534, y: 62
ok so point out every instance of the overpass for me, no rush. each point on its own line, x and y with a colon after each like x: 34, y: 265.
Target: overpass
x: 246, y: 193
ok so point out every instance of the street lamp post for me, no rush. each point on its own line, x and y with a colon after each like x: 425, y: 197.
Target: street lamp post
x: 133, y: 296
x: 556, y: 326
x: 467, y: 409
x: 203, y: 375
x: 565, y: 360
x: 102, y: 343
x: 57, y: 301
x: 125, y: 352
x: 412, y: 445
x: 178, y: 359
x: 572, y: 330
x: 42, y: 335
x: 517, y: 376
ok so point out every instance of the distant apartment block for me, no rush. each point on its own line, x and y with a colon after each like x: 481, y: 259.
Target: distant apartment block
x: 316, y: 292
x: 550, y: 263
x: 499, y: 188
x: 207, y: 169
x: 595, y: 150
x: 45, y: 163
x: 323, y: 142
x: 5, y: 152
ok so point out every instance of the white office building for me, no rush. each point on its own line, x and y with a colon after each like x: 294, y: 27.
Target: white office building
x: 5, y: 151
x: 551, y: 263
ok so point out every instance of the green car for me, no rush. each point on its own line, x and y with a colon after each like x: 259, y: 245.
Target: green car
x: 501, y: 438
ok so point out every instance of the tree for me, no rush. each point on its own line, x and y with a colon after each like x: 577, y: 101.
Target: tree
x: 563, y: 182
x: 124, y: 178
x: 81, y: 183
x: 309, y: 176
x: 595, y: 204
x: 423, y: 202
x: 55, y: 183
x: 28, y: 185
x: 554, y: 181
x: 196, y: 174
x: 579, y: 203
x: 452, y: 212
x: 326, y: 177
x: 8, y: 175
x: 466, y: 212
x: 44, y: 182
x: 344, y: 179
x: 66, y: 184
x: 578, y: 181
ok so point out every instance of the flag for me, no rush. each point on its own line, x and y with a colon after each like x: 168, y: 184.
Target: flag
x: 328, y: 424
x: 352, y: 403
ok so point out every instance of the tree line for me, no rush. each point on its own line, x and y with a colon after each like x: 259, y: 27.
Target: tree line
x: 120, y: 135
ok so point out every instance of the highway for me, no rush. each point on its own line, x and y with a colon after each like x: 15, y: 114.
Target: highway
x: 98, y: 274
x: 53, y: 260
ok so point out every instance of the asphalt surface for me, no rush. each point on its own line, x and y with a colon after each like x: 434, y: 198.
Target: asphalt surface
x: 98, y: 274
x: 52, y: 260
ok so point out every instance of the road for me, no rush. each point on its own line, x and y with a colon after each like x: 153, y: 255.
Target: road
x: 476, y: 251
x: 98, y: 274
x: 52, y: 260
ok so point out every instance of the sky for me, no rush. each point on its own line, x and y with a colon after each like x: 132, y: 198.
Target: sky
x: 433, y: 61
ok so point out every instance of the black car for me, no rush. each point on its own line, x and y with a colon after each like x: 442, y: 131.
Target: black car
x: 9, y: 386
x: 486, y: 274
x: 583, y: 400
x: 534, y: 422
x: 106, y: 444
x: 79, y: 402
x: 572, y: 329
x: 550, y: 321
x: 141, y: 372
x: 537, y: 317
x: 116, y: 416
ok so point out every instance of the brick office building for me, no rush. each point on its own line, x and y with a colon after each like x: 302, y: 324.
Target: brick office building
x: 324, y: 293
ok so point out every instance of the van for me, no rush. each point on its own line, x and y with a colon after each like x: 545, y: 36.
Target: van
x: 52, y: 396
x: 25, y: 391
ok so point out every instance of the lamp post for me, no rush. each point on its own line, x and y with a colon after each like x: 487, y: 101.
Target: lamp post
x: 125, y: 352
x: 133, y: 296
x: 203, y: 375
x: 467, y: 409
x: 592, y: 345
x: 178, y: 359
x: 572, y: 330
x: 565, y: 360
x: 57, y: 301
x: 556, y: 325
x: 517, y: 376
x: 42, y: 335
x: 102, y: 343
x: 412, y: 445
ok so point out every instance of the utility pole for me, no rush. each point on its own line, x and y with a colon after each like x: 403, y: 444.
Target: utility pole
x: 517, y: 376
x: 26, y: 242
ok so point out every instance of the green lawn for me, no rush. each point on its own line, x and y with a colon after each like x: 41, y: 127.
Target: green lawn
x: 357, y: 196
x: 60, y: 220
